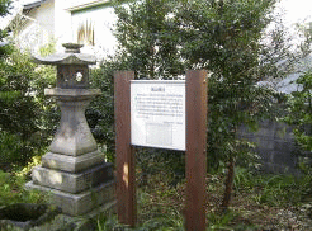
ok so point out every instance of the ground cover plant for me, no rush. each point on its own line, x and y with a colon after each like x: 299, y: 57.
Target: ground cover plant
x: 12, y: 187
x: 260, y: 202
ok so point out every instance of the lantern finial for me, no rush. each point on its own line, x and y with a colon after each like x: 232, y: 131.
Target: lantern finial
x: 72, y: 47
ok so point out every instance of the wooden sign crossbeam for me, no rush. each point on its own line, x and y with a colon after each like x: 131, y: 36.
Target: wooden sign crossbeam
x: 195, y: 149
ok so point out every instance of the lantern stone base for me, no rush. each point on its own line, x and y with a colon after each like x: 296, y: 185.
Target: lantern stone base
x: 63, y: 222
x: 88, y: 222
x: 74, y: 192
x: 81, y: 203
x: 71, y: 163
x: 73, y: 183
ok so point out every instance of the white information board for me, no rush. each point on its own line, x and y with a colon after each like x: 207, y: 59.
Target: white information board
x: 158, y: 113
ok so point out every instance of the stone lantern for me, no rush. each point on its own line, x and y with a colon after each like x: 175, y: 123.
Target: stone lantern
x: 74, y: 171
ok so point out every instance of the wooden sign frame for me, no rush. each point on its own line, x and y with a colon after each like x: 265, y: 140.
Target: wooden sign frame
x: 196, y: 106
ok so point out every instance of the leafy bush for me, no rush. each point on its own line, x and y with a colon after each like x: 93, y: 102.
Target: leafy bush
x: 13, y: 150
x: 300, y: 112
x: 12, y: 191
x: 5, y: 6
x: 179, y: 36
x: 300, y: 116
x: 100, y: 113
x: 24, y: 118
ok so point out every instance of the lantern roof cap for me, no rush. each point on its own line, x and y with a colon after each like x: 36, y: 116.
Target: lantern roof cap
x: 72, y: 56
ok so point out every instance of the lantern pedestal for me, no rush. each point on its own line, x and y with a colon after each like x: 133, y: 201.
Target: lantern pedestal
x: 74, y: 172
x: 78, y: 204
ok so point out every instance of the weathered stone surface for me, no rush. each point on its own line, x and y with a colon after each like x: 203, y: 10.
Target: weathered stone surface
x: 78, y: 204
x: 73, y: 183
x: 72, y: 56
x: 67, y: 58
x: 73, y: 92
x: 87, y: 222
x: 73, y: 173
x: 73, y: 137
x: 24, y: 215
x: 71, y: 163
x: 62, y: 222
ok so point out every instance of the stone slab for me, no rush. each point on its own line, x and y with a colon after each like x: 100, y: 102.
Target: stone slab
x: 62, y: 222
x: 72, y: 92
x: 73, y: 183
x: 87, y: 222
x: 73, y: 164
x: 78, y: 204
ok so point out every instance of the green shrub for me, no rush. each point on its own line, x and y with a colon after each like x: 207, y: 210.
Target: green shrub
x: 25, y: 123
x: 12, y: 191
x: 13, y: 150
x: 300, y: 116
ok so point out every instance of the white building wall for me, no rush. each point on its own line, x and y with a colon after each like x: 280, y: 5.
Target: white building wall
x: 62, y: 23
x: 68, y: 21
x: 58, y: 21
x: 46, y: 16
x: 39, y: 28
x: 102, y: 21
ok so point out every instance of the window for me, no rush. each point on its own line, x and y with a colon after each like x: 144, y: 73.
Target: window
x: 94, y: 28
x: 85, y: 33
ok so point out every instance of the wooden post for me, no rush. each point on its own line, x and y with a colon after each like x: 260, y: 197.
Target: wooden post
x: 196, y: 141
x: 126, y: 182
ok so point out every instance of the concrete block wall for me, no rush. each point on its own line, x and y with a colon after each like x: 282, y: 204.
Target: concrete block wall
x: 276, y: 146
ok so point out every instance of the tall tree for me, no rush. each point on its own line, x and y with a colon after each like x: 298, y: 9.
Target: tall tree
x: 5, y: 6
x: 147, y: 44
x: 220, y: 36
x: 300, y: 102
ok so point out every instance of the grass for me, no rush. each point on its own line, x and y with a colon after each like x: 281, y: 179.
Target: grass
x: 259, y: 202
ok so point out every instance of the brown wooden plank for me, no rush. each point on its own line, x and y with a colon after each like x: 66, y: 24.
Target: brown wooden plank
x: 196, y: 143
x: 126, y: 182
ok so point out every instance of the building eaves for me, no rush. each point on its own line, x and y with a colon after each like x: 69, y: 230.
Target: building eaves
x: 33, y: 5
x: 96, y: 4
x: 91, y: 4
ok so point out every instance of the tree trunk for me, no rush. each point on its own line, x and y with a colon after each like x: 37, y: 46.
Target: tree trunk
x: 228, y: 186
